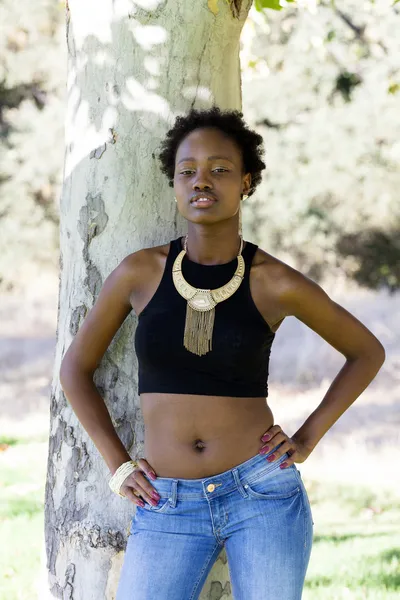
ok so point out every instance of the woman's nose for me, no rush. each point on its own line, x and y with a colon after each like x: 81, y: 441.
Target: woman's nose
x: 199, y: 188
x: 201, y: 181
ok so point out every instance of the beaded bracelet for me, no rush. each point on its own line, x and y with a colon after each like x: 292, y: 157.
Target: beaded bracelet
x: 120, y: 475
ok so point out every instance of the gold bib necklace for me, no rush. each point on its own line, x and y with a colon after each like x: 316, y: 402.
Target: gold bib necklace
x: 200, y: 308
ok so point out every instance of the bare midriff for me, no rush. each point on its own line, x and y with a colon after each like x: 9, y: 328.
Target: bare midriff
x: 191, y: 436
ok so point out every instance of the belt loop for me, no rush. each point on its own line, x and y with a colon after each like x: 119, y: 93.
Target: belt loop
x: 173, y: 494
x: 239, y: 483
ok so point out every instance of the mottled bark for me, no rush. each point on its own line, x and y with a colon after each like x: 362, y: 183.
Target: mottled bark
x: 133, y: 67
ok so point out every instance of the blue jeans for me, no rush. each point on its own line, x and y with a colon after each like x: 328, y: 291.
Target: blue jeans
x: 259, y: 512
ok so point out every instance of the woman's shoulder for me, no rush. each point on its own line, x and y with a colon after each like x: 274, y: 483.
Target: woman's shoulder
x: 147, y: 253
x: 271, y: 265
x: 274, y: 273
x: 145, y: 259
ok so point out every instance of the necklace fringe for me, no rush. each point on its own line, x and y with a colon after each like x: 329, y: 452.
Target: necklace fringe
x: 198, y: 330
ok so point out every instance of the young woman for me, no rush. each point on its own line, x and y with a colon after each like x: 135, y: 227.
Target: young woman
x: 217, y: 471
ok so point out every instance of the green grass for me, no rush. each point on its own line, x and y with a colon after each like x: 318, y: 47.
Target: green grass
x: 356, y: 550
x: 8, y: 441
x: 20, y: 553
x: 22, y: 479
x: 355, y: 556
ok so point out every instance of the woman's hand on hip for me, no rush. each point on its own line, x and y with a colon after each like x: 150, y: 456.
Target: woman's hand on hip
x: 136, y: 486
x: 297, y: 451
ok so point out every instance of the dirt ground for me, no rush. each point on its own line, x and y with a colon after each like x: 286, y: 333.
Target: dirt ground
x: 363, y: 446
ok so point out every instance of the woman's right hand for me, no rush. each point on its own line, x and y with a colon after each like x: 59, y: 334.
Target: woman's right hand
x: 136, y: 485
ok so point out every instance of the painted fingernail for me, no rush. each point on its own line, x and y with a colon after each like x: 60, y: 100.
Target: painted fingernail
x: 152, y: 475
x: 271, y: 458
x: 264, y: 450
x: 283, y: 465
x: 265, y: 437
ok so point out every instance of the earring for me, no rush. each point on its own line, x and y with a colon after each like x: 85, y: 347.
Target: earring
x: 240, y: 221
x: 244, y: 197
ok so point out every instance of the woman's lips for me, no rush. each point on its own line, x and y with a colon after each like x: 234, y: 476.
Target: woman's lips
x: 203, y: 202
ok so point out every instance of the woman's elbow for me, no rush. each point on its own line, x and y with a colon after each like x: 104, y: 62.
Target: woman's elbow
x: 73, y: 368
x: 65, y: 372
x: 375, y: 353
x: 69, y: 370
x: 381, y: 353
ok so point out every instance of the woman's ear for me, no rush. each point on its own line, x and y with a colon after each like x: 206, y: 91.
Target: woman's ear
x: 246, y: 183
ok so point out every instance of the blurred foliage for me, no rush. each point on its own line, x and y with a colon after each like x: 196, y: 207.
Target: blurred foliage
x: 345, y: 84
x: 33, y: 72
x: 273, y: 4
x: 321, y: 83
x: 377, y: 255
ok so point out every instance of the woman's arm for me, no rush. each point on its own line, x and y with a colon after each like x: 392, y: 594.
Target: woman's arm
x: 85, y: 353
x: 302, y: 298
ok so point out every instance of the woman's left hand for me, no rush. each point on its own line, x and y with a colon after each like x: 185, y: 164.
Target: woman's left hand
x: 298, y: 452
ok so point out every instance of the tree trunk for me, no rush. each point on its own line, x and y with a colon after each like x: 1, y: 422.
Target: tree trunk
x: 132, y: 68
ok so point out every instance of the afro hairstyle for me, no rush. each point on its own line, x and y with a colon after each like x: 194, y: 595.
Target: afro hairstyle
x: 231, y: 123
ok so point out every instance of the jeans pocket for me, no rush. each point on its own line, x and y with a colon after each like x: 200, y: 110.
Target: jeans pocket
x: 276, y: 484
x: 161, y: 507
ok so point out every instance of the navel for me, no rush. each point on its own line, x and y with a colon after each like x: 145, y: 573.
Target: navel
x: 199, y: 445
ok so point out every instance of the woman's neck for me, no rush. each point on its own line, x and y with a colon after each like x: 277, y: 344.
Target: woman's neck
x: 210, y: 249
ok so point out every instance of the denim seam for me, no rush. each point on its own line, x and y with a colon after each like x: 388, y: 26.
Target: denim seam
x: 207, y: 562
x: 306, y: 499
x: 306, y: 512
x: 307, y: 541
x: 273, y: 496
x: 212, y: 524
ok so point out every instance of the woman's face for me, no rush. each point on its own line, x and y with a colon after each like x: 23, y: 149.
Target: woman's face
x: 209, y: 162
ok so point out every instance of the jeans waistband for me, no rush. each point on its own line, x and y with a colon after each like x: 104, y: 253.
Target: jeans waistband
x: 217, y: 485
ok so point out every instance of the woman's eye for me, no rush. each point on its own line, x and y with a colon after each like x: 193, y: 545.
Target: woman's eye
x: 217, y: 169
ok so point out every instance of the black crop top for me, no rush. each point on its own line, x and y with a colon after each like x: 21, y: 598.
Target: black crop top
x: 238, y: 363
